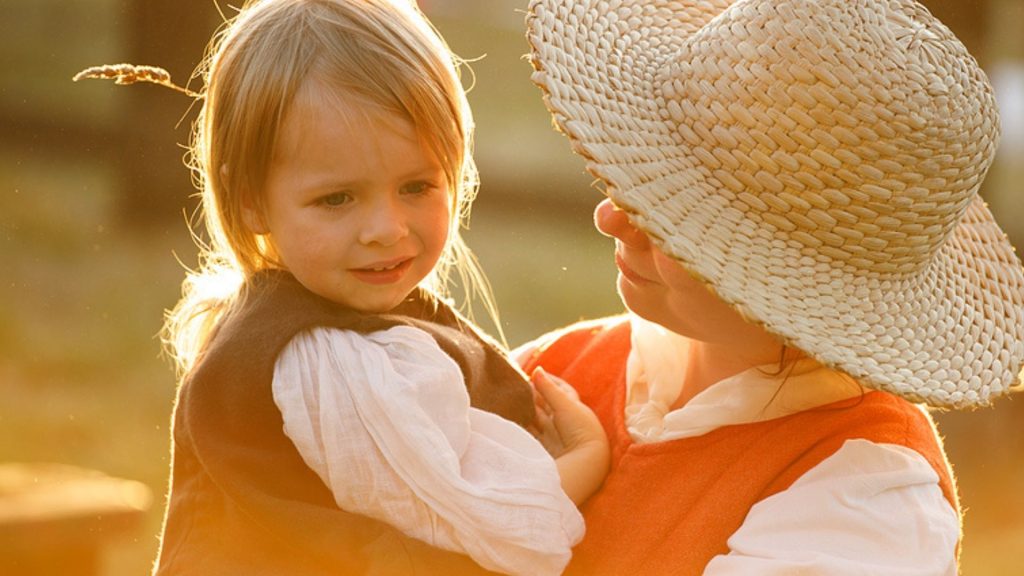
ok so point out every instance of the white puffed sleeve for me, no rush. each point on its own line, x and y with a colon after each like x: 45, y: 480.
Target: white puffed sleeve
x: 838, y: 520
x: 384, y: 419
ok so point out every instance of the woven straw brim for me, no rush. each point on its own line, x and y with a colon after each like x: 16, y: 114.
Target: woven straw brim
x: 947, y: 330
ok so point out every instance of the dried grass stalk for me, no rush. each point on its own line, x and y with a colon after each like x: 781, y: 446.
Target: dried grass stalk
x: 131, y: 73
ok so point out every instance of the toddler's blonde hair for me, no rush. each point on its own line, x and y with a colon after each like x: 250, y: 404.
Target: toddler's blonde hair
x: 383, y: 51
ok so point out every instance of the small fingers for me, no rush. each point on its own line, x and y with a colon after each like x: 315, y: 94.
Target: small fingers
x: 543, y: 418
x: 559, y: 382
x: 552, y: 391
x: 538, y: 400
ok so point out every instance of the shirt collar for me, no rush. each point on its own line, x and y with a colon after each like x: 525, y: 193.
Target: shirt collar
x: 654, y: 378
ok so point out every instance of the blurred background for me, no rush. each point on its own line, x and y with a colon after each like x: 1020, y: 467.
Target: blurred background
x: 94, y: 199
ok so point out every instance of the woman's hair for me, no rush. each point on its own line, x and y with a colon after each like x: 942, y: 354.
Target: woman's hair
x: 381, y: 51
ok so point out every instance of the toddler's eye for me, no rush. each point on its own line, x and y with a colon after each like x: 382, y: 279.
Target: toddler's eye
x: 336, y: 199
x: 419, y: 187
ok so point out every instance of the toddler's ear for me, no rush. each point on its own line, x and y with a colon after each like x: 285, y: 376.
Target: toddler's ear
x: 252, y: 216
x: 253, y: 219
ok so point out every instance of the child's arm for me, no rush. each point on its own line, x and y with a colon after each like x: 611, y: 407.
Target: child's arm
x: 573, y: 435
x: 384, y: 420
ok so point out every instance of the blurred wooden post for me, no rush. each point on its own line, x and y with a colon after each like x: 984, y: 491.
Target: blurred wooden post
x: 155, y: 183
x: 56, y: 519
x: 1003, y: 188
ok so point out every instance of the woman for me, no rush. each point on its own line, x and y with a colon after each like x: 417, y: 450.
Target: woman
x: 793, y: 192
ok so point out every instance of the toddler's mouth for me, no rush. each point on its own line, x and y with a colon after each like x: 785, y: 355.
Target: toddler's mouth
x: 385, y: 272
x: 383, y: 268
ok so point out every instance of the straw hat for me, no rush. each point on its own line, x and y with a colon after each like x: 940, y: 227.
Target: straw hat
x: 816, y: 162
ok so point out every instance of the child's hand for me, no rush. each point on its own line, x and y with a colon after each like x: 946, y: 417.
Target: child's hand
x: 572, y: 434
x: 563, y: 422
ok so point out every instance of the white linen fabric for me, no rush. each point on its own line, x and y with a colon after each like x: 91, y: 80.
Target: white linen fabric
x: 655, y: 372
x: 868, y: 510
x: 384, y: 419
x: 834, y: 520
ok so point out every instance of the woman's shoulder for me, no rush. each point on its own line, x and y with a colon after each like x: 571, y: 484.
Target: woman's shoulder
x: 876, y: 415
x: 573, y: 340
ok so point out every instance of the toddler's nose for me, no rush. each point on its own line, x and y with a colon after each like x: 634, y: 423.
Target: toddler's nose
x: 612, y: 221
x: 385, y: 224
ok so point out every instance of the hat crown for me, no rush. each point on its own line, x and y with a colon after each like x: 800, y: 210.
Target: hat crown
x: 816, y: 162
x: 860, y: 130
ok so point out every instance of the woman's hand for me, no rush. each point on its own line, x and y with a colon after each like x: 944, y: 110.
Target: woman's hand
x: 571, y: 433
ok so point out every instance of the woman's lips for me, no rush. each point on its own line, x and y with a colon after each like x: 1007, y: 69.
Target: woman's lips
x: 383, y: 272
x: 628, y: 272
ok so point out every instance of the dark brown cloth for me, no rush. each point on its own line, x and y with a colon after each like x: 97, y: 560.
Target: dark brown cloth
x: 243, y: 501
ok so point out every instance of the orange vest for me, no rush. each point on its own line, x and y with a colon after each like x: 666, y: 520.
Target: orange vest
x: 669, y: 507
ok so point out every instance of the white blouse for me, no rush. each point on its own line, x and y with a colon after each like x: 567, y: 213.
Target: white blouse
x: 384, y: 419
x: 837, y: 519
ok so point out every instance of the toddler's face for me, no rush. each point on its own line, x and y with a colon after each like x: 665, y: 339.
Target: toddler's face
x: 356, y: 206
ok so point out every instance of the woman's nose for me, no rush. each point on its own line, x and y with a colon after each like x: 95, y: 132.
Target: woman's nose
x: 612, y: 221
x: 384, y: 224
